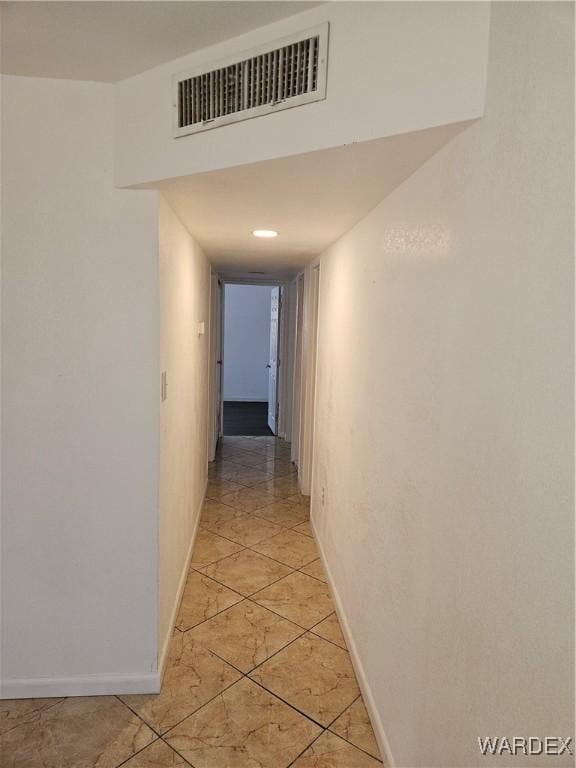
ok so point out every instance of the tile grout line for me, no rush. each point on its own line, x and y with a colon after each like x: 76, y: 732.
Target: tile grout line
x: 281, y: 476
x: 293, y: 570
x: 240, y: 513
x: 154, y: 731
x: 124, y: 762
x: 160, y: 736
x: 292, y: 706
x: 195, y: 711
x: 204, y: 526
x: 178, y: 753
x: 196, y: 568
x: 329, y: 728
x: 251, y: 547
x: 118, y: 765
x: 266, y: 608
x: 324, y: 728
x: 280, y: 562
x: 307, y: 748
x: 300, y: 625
x: 215, y: 614
x: 248, y: 598
x: 285, y: 472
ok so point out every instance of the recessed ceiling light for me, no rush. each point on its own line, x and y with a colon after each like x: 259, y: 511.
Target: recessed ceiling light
x: 265, y: 233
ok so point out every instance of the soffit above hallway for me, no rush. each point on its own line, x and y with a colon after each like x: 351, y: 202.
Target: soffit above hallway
x: 311, y: 199
x: 109, y: 41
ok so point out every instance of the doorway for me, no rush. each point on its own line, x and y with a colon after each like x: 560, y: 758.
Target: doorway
x: 251, y: 322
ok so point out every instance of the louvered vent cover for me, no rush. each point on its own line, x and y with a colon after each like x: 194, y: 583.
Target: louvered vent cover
x: 284, y: 74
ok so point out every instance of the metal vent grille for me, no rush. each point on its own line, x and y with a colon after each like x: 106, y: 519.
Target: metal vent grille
x: 280, y: 77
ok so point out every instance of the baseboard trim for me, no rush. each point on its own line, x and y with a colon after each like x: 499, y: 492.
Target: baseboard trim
x: 89, y: 685
x: 163, y: 656
x: 104, y: 685
x: 373, y: 714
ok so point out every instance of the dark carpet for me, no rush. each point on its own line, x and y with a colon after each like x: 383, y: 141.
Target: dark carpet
x: 246, y: 419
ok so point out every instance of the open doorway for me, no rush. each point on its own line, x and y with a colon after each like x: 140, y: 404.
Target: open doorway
x: 250, y: 359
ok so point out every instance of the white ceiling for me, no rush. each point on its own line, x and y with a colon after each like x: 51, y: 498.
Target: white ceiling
x: 310, y: 199
x: 109, y: 41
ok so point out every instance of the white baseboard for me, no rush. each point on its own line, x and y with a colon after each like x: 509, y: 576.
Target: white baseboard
x: 104, y: 685
x: 163, y: 655
x: 89, y: 685
x: 367, y: 695
x: 245, y: 400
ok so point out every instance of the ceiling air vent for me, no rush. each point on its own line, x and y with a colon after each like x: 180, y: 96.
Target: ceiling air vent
x: 280, y: 75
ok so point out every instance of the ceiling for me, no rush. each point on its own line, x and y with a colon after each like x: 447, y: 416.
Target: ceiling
x: 108, y: 41
x: 310, y: 199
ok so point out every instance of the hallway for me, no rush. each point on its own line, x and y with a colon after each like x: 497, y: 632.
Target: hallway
x: 357, y: 221
x: 258, y: 674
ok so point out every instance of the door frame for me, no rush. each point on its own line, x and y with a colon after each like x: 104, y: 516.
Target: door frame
x: 305, y: 370
x: 286, y: 394
x: 216, y: 373
x: 276, y: 409
x: 286, y: 362
x: 297, y: 366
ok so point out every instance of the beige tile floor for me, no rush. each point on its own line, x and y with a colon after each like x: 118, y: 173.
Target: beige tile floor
x: 258, y: 674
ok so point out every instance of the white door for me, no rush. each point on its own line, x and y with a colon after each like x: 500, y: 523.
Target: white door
x: 273, y: 361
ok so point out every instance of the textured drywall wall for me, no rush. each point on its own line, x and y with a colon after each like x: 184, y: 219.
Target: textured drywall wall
x: 79, y: 394
x: 184, y: 305
x: 444, y: 420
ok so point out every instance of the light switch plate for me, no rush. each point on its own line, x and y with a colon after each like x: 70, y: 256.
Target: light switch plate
x: 201, y: 328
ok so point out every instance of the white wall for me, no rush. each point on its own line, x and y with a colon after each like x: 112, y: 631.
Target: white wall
x: 79, y: 399
x: 431, y: 57
x: 246, y: 342
x: 184, y: 304
x: 444, y: 420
